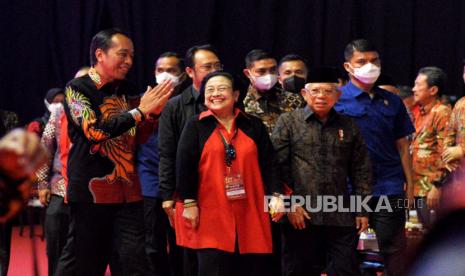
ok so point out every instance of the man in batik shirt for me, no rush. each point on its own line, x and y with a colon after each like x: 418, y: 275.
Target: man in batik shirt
x: 263, y: 99
x: 51, y: 186
x: 455, y: 140
x: 104, y: 114
x: 431, y: 119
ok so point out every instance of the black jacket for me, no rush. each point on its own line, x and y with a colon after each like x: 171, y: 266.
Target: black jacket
x: 176, y: 113
x: 193, y: 139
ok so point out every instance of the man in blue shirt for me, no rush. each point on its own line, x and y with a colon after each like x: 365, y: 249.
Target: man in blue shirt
x: 157, y: 230
x: 384, y: 124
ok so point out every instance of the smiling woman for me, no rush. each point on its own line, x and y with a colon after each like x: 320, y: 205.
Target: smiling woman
x: 220, y: 98
x: 223, y: 171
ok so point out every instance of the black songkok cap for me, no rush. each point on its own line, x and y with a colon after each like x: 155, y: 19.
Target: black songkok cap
x: 322, y: 74
x: 52, y: 93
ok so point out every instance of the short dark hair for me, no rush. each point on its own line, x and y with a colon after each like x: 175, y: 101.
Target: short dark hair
x: 292, y: 57
x: 102, y: 40
x: 255, y: 55
x: 190, y: 54
x: 360, y: 45
x: 173, y: 54
x: 435, y: 76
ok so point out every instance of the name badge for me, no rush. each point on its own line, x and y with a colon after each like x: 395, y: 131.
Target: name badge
x: 234, y: 186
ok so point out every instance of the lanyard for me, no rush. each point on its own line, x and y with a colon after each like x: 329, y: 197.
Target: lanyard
x: 229, y: 150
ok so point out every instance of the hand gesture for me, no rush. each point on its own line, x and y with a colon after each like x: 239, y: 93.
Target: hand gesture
x: 452, y: 153
x: 276, y: 206
x: 297, y: 218
x: 44, y: 196
x: 361, y: 223
x: 432, y: 199
x: 168, y: 207
x: 154, y: 99
x: 191, y: 215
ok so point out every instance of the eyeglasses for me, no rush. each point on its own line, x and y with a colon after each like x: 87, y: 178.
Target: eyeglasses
x: 324, y: 92
x: 211, y: 66
x: 221, y: 89
x: 230, y: 154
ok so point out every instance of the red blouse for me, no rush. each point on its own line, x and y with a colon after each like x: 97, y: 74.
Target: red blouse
x: 222, y: 220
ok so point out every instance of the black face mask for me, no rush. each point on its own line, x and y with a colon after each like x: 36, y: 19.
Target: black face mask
x: 293, y: 84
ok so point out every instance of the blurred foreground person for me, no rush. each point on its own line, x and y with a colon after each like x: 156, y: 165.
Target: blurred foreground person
x: 21, y: 154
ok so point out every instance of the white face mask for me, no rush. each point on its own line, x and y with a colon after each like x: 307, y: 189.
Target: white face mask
x: 265, y: 82
x: 368, y: 73
x: 167, y: 76
x: 51, y: 107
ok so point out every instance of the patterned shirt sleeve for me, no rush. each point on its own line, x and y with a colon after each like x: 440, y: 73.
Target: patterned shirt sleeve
x: 49, y: 141
x: 97, y: 128
x: 281, y: 144
x: 441, y: 122
x: 455, y: 134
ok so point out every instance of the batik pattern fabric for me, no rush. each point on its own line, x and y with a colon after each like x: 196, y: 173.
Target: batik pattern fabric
x: 49, y: 176
x: 102, y: 132
x: 427, y: 145
x: 456, y: 128
x: 269, y: 105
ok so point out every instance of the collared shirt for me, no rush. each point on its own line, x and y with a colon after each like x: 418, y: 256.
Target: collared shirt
x: 49, y: 176
x: 382, y: 120
x: 315, y: 159
x: 101, y: 165
x: 427, y: 145
x: 269, y: 105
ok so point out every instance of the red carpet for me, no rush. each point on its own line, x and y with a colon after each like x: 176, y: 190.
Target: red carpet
x: 21, y: 260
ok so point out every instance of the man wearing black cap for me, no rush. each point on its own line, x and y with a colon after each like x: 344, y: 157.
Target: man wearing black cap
x: 317, y: 149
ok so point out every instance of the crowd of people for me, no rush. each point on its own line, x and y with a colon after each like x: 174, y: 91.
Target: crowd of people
x: 210, y: 173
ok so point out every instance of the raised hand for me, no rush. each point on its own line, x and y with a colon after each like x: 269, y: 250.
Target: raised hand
x: 154, y: 99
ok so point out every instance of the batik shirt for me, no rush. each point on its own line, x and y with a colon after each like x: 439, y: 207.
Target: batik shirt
x: 102, y: 132
x: 456, y: 128
x: 269, y: 105
x: 316, y: 159
x: 49, y: 176
x: 428, y: 143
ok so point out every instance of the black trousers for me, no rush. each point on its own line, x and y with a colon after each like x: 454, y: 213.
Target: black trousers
x: 304, y: 251
x: 390, y: 233
x: 424, y: 213
x: 100, y: 228
x: 5, y: 246
x: 275, y: 269
x: 164, y: 256
x: 67, y: 263
x: 57, y: 219
x: 214, y: 262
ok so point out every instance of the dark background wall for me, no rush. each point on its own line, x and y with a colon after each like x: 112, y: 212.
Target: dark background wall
x: 44, y: 42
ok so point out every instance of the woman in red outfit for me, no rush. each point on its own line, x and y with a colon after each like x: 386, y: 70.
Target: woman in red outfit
x: 223, y: 172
